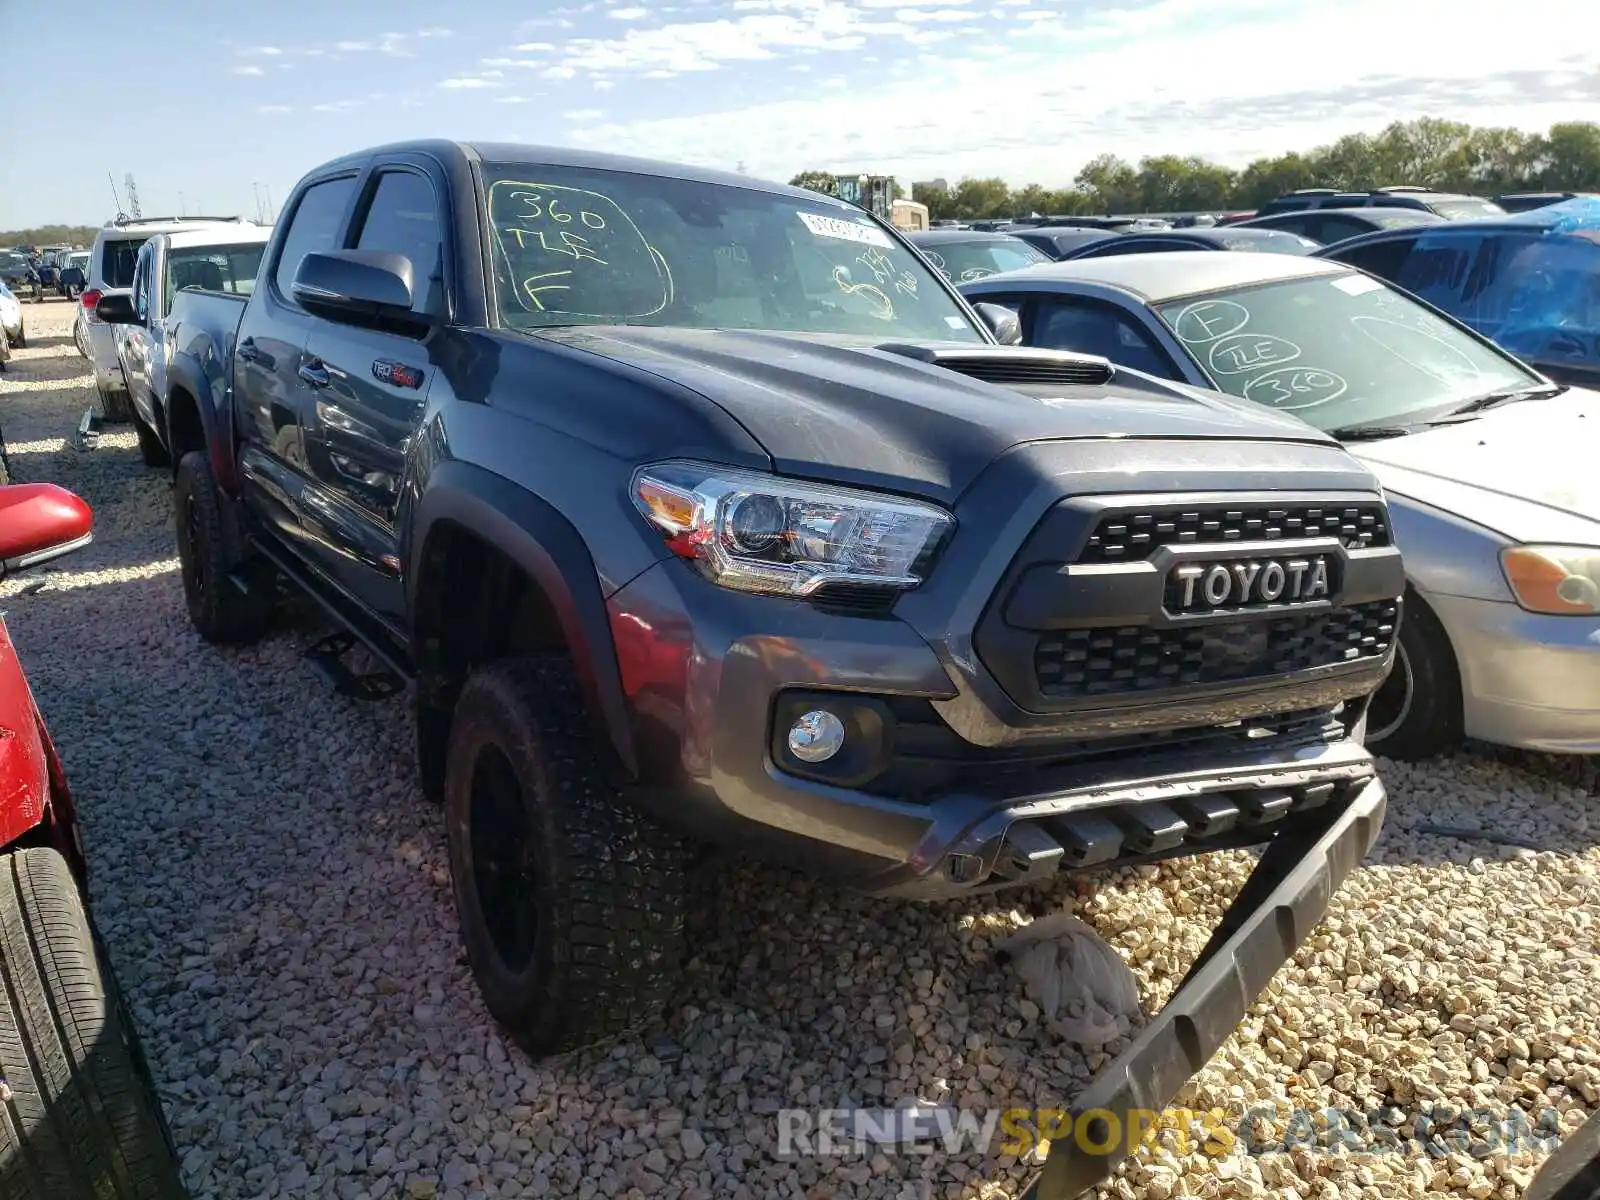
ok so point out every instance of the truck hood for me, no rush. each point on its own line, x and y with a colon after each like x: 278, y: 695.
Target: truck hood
x: 1526, y: 470
x: 868, y: 411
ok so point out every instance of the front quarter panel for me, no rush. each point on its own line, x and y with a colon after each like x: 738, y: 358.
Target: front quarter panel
x: 1446, y: 554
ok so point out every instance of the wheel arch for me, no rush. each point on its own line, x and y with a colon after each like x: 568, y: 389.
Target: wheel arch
x: 193, y: 420
x: 473, y: 529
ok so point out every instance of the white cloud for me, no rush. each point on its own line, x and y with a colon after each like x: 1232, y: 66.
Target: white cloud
x: 511, y: 100
x: 261, y: 51
x: 352, y: 47
x: 1072, y: 78
x: 469, y: 82
x: 333, y: 106
x: 628, y: 14
x: 557, y: 73
x: 602, y: 85
x: 248, y: 70
x: 435, y: 31
x: 534, y: 47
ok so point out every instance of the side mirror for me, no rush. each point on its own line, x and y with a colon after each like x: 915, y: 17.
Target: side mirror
x: 356, y: 286
x: 116, y: 309
x: 38, y: 522
x: 1002, y: 322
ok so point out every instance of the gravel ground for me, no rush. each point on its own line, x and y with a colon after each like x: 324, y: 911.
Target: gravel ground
x: 275, y: 893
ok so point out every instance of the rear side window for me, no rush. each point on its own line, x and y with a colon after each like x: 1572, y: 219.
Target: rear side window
x: 118, y: 258
x: 1385, y: 259
x: 403, y: 218
x: 315, y: 227
x: 1336, y: 229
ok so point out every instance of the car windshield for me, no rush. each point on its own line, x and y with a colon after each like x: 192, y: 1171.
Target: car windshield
x: 1270, y: 241
x: 1458, y: 210
x: 586, y: 247
x: 1338, y: 351
x: 962, y: 262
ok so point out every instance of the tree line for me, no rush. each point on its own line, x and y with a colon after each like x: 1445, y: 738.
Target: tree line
x: 1445, y: 155
x: 49, y: 235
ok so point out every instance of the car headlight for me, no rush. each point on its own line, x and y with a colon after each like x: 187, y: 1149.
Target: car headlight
x: 1563, y: 580
x: 761, y: 533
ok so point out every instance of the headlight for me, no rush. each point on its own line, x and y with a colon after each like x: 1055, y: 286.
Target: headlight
x: 1554, y: 579
x: 761, y: 533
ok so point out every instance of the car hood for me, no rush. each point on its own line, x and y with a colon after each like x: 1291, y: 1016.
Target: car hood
x: 867, y: 411
x: 1526, y: 470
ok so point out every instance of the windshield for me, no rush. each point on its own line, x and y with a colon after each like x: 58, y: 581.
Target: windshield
x: 1338, y: 350
x: 1458, y: 210
x: 1270, y: 242
x: 608, y: 247
x: 962, y: 262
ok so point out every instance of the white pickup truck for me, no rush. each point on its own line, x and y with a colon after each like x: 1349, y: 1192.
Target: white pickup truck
x: 221, y: 258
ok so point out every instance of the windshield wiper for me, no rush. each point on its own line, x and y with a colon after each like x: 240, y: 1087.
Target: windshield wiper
x: 1370, y: 433
x: 1533, y: 391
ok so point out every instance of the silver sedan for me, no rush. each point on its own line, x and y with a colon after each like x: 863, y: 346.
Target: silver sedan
x: 1489, y: 467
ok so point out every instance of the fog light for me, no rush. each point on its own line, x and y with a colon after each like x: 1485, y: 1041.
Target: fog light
x: 816, y: 737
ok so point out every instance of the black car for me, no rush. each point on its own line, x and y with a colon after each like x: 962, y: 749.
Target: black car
x: 686, y: 508
x: 1450, y: 205
x: 1224, y: 237
x: 1059, y: 241
x: 1329, y: 225
x: 962, y: 255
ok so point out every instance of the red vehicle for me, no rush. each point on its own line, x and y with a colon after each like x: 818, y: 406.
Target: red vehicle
x: 79, y: 1118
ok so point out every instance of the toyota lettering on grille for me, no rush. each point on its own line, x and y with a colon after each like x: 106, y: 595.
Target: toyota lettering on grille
x: 1248, y: 583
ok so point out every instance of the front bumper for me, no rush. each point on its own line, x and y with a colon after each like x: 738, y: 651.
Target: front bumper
x: 1283, y: 899
x: 1527, y: 679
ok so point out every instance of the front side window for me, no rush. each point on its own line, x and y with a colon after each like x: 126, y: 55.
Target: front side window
x: 1091, y: 327
x: 580, y: 247
x: 315, y: 228
x: 1337, y: 351
x: 141, y: 283
x: 403, y: 219
x: 962, y: 262
x: 228, y: 269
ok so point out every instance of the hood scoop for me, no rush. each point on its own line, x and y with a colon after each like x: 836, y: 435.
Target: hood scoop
x: 1009, y: 366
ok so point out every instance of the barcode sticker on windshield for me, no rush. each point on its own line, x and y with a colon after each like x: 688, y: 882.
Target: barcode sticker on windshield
x: 844, y: 231
x: 1356, y: 285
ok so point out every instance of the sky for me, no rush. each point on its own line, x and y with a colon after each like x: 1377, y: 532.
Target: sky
x: 214, y: 106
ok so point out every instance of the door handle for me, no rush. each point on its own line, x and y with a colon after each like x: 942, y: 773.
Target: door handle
x: 247, y: 350
x: 314, y: 373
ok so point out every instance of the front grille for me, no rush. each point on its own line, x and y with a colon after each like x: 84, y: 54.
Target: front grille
x: 1109, y: 661
x: 1129, y: 537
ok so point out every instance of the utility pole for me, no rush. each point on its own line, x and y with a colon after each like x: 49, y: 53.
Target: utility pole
x: 267, y: 187
x: 115, y: 199
x: 133, y: 196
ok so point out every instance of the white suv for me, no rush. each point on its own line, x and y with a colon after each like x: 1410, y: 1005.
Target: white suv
x: 111, y: 264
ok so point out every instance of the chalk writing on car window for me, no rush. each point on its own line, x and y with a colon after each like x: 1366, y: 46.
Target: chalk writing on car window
x: 1208, y: 320
x: 1294, y: 388
x: 574, y: 252
x: 1241, y: 353
x: 1418, y: 348
x: 878, y: 263
x: 883, y: 306
x: 972, y: 273
x: 906, y: 283
x: 937, y: 260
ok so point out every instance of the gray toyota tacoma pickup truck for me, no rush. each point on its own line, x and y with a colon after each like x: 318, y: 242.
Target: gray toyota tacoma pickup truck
x: 690, y: 509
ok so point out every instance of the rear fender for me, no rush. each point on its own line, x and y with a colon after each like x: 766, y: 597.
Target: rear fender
x: 552, y: 553
x: 185, y: 373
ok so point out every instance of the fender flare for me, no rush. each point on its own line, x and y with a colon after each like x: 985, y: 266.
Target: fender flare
x: 184, y: 371
x: 549, y: 549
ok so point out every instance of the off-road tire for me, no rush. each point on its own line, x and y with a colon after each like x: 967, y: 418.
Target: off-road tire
x: 115, y: 406
x: 1424, y: 689
x: 211, y: 547
x: 151, y: 450
x: 604, y: 886
x: 81, y: 1120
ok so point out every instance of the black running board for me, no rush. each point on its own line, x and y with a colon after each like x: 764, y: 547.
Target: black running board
x: 326, y: 656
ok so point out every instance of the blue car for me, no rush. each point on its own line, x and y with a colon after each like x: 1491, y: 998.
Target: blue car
x: 1530, y: 282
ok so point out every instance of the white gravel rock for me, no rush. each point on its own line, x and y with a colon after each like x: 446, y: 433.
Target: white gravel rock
x: 276, y: 897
